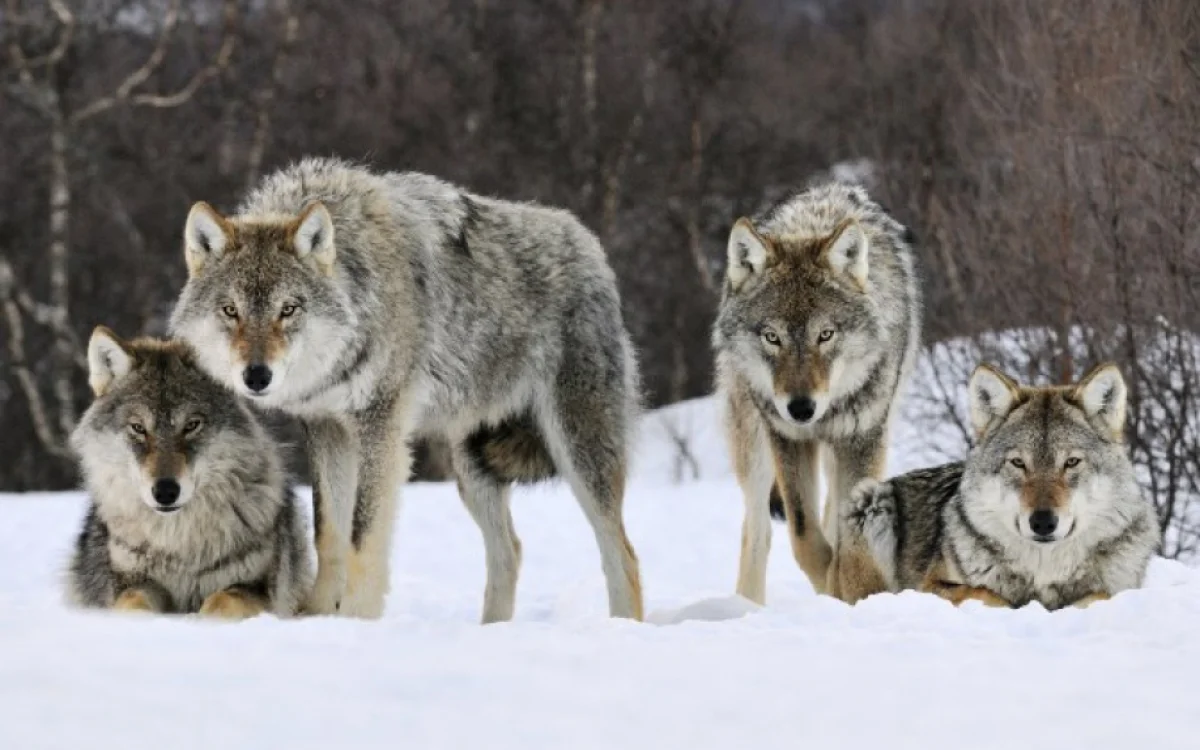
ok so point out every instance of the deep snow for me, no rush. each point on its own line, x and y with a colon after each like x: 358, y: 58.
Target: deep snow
x: 710, y: 671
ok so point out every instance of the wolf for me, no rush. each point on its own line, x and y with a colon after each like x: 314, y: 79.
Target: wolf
x: 816, y: 333
x: 189, y: 511
x: 1045, y: 508
x: 380, y: 307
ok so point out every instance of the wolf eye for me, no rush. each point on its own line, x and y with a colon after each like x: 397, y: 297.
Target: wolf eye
x: 230, y: 311
x: 137, y: 429
x: 192, y: 425
x: 771, y: 338
x: 1017, y: 463
x: 288, y: 311
x: 825, y: 336
x: 1071, y: 462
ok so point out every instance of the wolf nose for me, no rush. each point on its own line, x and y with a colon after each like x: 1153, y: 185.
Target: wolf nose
x: 1043, y: 522
x: 802, y: 409
x: 257, y: 377
x: 165, y: 491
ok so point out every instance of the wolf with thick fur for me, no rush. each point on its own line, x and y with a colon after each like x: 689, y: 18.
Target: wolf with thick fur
x: 817, y: 331
x: 1045, y: 508
x: 189, y: 508
x: 379, y: 307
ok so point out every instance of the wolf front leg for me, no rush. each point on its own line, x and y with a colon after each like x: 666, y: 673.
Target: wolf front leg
x: 234, y: 603
x: 333, y: 462
x: 384, y: 463
x: 848, y: 462
x: 755, y: 470
x: 796, y: 477
x: 1090, y: 599
x: 143, y: 598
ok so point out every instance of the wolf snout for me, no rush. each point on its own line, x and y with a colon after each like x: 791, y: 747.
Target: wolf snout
x: 165, y: 492
x: 1043, y: 523
x: 802, y: 408
x: 257, y: 377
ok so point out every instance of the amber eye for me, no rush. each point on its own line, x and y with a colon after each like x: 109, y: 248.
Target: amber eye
x: 192, y: 425
x: 771, y: 338
x: 1017, y: 463
x: 230, y: 311
x: 137, y: 429
x: 288, y: 311
x: 1072, y: 462
x: 825, y: 336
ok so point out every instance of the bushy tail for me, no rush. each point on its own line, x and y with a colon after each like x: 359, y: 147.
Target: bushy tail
x: 513, y: 451
x: 869, y: 519
x: 776, y: 501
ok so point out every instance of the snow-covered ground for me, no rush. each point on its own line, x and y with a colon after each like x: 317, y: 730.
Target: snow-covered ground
x: 709, y: 671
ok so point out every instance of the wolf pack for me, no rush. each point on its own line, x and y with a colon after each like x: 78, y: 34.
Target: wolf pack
x: 380, y: 308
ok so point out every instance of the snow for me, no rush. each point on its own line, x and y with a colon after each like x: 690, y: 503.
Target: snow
x: 708, y: 669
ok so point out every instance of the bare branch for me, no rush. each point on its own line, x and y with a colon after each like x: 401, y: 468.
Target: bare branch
x: 54, y: 444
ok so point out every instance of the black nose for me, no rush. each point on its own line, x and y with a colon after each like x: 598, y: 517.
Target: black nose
x: 165, y: 491
x: 802, y: 409
x: 257, y: 377
x: 1043, y: 522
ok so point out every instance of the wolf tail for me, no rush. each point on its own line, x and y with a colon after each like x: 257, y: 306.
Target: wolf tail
x: 776, y: 506
x: 513, y: 451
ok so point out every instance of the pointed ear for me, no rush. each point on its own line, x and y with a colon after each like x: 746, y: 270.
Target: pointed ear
x: 846, y: 251
x: 312, y: 236
x: 109, y: 358
x: 205, y: 237
x: 993, y: 395
x: 1102, y: 393
x: 749, y: 253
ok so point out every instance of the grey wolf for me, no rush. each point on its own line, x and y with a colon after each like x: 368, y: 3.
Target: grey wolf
x: 817, y: 331
x: 379, y: 307
x: 189, y: 509
x: 1045, y: 508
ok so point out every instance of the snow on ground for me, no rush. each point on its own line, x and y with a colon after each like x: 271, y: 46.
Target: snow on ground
x: 708, y: 671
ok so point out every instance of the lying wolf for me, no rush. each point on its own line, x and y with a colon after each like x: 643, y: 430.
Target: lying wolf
x: 1045, y: 508
x: 189, y: 510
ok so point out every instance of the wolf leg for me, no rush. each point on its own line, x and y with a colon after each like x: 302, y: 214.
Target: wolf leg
x: 755, y: 474
x: 333, y: 461
x: 144, y: 598
x: 588, y: 447
x: 1090, y: 599
x: 233, y: 603
x: 487, y: 500
x: 384, y: 465
x: 957, y: 593
x: 796, y: 477
x: 847, y: 463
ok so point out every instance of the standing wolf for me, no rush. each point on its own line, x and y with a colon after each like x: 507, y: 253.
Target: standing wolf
x: 379, y: 307
x: 1045, y: 508
x: 189, y: 510
x: 817, y: 331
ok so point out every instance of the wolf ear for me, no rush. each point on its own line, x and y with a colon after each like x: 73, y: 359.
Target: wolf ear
x: 313, y: 236
x: 1102, y: 393
x: 109, y: 358
x: 993, y: 395
x: 748, y: 253
x: 205, y: 237
x: 846, y: 251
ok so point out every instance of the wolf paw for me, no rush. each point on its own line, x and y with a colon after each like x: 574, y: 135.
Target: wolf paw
x: 134, y: 600
x: 328, y: 592
x: 232, y: 605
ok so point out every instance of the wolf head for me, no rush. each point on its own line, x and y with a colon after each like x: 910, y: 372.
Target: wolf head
x: 797, y: 317
x: 259, y: 300
x: 1050, y: 462
x: 158, y: 425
